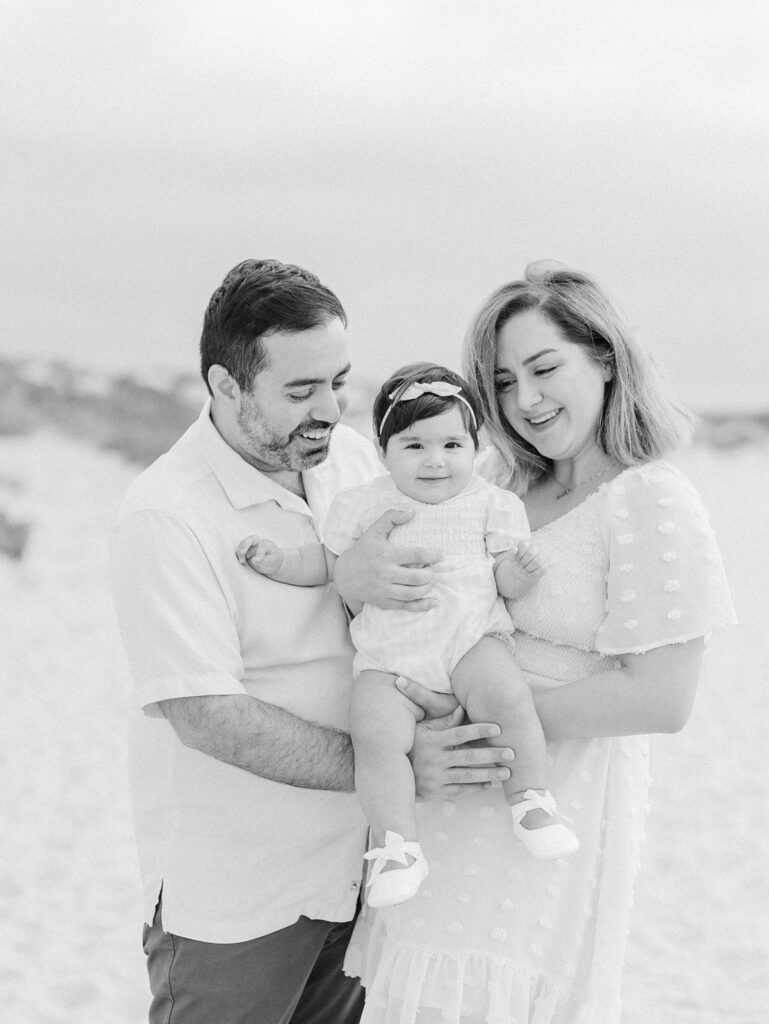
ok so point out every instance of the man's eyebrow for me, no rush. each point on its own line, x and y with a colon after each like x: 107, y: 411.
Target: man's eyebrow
x: 304, y: 381
x: 542, y: 352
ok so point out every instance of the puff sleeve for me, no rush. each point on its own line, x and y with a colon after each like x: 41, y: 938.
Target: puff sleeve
x: 506, y: 522
x: 343, y: 525
x: 665, y: 582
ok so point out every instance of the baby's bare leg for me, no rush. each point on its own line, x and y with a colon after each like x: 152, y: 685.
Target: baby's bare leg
x: 382, y: 724
x: 492, y: 688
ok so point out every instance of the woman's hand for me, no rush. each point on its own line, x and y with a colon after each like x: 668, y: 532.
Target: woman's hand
x: 376, y: 572
x: 443, y: 759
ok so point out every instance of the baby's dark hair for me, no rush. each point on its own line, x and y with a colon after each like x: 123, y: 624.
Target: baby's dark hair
x: 402, y: 415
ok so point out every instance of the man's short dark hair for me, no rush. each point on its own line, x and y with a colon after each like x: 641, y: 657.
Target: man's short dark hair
x: 258, y: 298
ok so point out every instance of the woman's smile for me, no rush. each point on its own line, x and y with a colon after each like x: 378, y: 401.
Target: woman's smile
x: 543, y: 419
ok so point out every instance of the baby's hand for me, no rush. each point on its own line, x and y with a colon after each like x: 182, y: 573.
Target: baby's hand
x: 262, y: 555
x: 518, y: 569
x: 530, y: 560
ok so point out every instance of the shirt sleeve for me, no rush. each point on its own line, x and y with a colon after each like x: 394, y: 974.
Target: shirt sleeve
x: 506, y: 523
x: 666, y: 582
x: 342, y: 526
x: 178, y: 633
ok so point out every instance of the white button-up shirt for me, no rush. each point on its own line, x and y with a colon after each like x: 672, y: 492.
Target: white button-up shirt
x: 236, y: 855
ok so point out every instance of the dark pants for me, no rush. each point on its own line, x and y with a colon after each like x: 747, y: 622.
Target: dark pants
x: 292, y: 976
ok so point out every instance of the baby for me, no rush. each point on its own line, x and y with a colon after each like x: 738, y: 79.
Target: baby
x: 426, y: 420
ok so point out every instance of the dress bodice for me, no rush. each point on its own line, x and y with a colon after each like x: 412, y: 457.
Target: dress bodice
x: 556, y: 621
x: 633, y: 567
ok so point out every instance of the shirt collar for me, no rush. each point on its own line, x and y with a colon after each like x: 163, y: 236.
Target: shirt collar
x: 243, y: 484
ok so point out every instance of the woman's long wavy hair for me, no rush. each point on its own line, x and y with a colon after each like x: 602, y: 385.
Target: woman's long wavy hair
x: 639, y: 422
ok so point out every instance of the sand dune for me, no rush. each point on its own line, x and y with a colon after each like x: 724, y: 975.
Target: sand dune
x: 70, y: 920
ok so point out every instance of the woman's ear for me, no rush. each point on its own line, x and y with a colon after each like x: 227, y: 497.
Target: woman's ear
x: 608, y: 372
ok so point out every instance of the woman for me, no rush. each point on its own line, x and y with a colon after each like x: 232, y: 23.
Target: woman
x: 611, y: 640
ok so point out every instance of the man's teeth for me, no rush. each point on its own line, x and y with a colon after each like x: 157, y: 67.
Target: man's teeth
x: 544, y: 419
x: 315, y: 435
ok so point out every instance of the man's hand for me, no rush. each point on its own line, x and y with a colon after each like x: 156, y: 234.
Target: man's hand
x: 376, y: 572
x: 443, y: 759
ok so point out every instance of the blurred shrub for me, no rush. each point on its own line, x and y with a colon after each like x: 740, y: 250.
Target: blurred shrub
x: 13, y: 536
x: 726, y: 432
x: 141, y: 418
x: 141, y: 422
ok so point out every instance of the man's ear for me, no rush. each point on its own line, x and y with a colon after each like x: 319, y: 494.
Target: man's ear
x: 223, y: 385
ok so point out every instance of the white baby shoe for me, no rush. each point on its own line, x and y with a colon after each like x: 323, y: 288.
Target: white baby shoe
x: 386, y: 888
x: 550, y: 841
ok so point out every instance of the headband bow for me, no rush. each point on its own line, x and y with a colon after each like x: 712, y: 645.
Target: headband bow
x: 441, y: 388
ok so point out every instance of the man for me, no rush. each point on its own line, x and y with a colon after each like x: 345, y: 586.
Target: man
x: 250, y: 836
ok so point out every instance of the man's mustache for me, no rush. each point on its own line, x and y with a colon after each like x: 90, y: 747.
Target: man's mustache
x: 312, y: 425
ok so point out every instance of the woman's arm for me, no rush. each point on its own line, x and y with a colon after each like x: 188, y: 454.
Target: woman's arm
x: 651, y: 692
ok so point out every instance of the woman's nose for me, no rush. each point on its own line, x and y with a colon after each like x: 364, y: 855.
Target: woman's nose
x: 529, y: 394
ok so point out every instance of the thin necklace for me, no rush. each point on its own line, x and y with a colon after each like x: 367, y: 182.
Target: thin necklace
x: 568, y: 490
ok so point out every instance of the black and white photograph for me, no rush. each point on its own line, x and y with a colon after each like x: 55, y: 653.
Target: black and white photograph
x: 384, y: 475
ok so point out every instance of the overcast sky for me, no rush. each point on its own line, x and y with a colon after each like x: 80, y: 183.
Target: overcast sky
x: 414, y: 154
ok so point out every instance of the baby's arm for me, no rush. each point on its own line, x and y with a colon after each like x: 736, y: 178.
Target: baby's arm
x: 518, y: 569
x: 309, y: 566
x: 517, y: 562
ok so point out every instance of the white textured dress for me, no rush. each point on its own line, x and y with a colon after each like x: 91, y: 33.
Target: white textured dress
x: 469, y: 529
x: 493, y: 936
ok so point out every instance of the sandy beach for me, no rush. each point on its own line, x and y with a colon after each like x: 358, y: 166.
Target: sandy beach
x: 70, y: 918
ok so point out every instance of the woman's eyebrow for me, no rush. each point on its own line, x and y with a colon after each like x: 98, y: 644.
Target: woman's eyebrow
x: 542, y: 352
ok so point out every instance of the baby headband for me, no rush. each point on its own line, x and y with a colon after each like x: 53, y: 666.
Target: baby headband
x: 442, y: 388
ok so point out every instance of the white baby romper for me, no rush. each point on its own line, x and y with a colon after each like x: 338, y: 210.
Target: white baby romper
x: 469, y: 529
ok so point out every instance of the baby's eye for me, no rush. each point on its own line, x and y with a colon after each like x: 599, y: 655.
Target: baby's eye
x: 454, y: 444
x: 413, y: 445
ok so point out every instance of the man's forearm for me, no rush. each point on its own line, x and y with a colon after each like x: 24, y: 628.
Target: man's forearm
x: 264, y: 739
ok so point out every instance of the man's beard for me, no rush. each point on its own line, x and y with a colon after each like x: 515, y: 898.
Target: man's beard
x: 278, y: 450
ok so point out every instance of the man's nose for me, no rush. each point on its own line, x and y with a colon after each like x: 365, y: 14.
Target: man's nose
x: 326, y: 407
